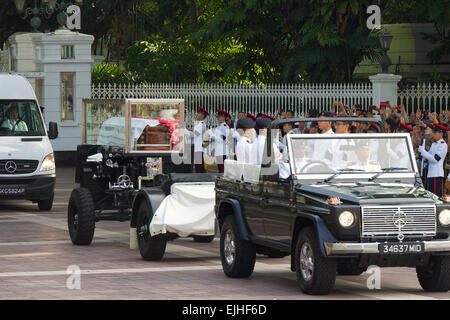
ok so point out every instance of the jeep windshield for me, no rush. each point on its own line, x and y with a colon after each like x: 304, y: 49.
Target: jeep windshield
x: 20, y: 118
x: 368, y: 156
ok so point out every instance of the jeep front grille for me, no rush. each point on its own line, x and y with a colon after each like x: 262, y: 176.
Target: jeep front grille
x: 385, y: 220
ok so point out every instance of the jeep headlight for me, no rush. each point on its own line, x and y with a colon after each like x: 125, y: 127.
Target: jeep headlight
x: 49, y: 163
x: 444, y: 217
x: 346, y: 219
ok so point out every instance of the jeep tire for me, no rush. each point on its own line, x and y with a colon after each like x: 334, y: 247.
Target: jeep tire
x: 435, y: 276
x: 81, y: 217
x: 151, y: 248
x: 237, y: 255
x: 315, y: 274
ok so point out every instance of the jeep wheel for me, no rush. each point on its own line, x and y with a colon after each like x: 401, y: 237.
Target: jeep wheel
x: 238, y: 255
x: 80, y: 217
x: 315, y: 274
x: 46, y: 204
x: 346, y: 267
x: 151, y: 248
x: 204, y: 239
x: 435, y: 276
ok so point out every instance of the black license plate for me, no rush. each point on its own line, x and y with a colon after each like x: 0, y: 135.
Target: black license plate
x: 401, y: 248
x: 11, y: 191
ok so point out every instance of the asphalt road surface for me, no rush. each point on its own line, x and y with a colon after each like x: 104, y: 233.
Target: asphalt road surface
x: 36, y: 252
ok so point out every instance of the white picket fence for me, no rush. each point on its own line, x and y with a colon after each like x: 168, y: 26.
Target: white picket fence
x: 254, y: 99
x: 432, y: 97
x: 271, y: 97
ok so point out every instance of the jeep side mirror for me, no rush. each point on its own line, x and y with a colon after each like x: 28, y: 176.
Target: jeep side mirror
x: 42, y: 109
x: 52, y: 130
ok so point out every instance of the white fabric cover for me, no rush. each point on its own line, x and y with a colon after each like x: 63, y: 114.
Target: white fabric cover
x: 251, y: 173
x: 233, y: 169
x: 187, y: 210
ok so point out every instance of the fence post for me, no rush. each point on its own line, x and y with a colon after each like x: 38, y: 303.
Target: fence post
x: 384, y: 88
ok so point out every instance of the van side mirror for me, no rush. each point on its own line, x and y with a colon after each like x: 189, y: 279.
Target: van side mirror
x: 42, y: 109
x: 52, y: 130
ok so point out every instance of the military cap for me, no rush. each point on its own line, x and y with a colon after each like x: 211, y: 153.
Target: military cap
x: 245, y: 123
x: 262, y: 123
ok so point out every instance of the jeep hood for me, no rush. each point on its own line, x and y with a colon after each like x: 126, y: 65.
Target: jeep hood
x: 358, y: 193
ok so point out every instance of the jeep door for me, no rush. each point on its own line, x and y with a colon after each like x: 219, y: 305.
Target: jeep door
x: 279, y: 208
x: 251, y: 198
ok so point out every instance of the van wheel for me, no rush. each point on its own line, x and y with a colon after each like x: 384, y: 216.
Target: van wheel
x: 81, y: 217
x: 151, y: 248
x: 46, y: 204
x: 435, y: 276
x: 315, y: 274
x: 238, y: 255
x: 204, y: 239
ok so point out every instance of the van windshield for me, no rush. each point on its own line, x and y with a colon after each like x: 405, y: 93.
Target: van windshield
x: 20, y: 118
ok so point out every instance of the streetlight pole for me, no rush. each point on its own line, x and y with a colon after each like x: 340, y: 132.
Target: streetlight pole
x: 385, y: 41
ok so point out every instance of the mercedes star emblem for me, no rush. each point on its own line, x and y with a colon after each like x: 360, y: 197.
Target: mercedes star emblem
x: 399, y: 219
x: 10, y: 166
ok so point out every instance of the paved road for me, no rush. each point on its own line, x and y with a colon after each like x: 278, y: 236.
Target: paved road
x: 35, y: 252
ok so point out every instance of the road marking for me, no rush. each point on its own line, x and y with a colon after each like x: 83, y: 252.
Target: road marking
x: 50, y: 242
x: 383, y: 294
x: 107, y: 271
x: 25, y: 255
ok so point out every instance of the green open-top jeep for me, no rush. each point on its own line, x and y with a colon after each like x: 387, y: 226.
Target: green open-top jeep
x: 349, y: 201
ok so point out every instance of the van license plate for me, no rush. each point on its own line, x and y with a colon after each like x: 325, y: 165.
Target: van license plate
x: 401, y: 248
x: 6, y: 191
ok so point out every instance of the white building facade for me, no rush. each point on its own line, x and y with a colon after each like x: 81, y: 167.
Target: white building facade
x: 58, y: 66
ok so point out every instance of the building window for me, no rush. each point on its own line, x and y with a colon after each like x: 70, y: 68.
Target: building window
x: 67, y: 52
x: 67, y: 96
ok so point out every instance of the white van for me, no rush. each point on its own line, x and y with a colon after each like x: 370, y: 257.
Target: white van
x: 27, y: 164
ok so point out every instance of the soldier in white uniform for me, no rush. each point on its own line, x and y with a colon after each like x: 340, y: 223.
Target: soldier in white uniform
x: 246, y: 149
x: 220, y: 139
x: 322, y: 150
x: 199, y: 134
x: 362, y: 152
x: 261, y: 127
x: 436, y: 158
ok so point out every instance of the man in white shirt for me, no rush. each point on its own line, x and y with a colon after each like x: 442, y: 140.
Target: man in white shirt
x: 13, y: 122
x: 220, y: 139
x: 436, y: 159
x: 246, y: 149
x: 261, y: 127
x: 322, y: 150
x: 199, y: 133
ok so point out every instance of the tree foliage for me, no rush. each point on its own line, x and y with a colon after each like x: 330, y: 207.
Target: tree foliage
x: 239, y: 41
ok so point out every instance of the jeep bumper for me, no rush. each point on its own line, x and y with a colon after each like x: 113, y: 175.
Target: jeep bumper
x: 347, y: 248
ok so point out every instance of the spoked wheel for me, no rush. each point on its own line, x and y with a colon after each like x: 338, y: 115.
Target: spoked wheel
x: 81, y: 217
x: 152, y: 248
x: 315, y: 274
x: 237, y: 255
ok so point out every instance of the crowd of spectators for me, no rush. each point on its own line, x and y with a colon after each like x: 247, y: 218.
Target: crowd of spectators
x: 395, y: 119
